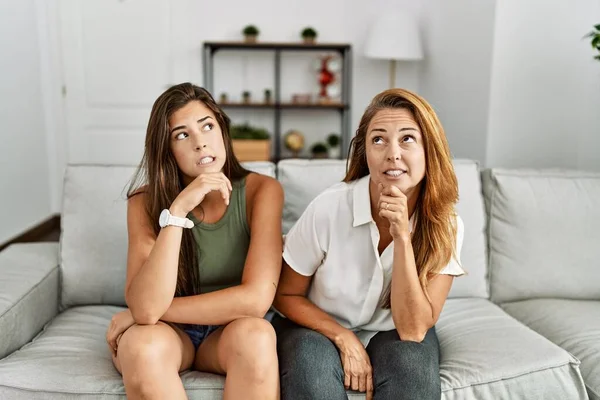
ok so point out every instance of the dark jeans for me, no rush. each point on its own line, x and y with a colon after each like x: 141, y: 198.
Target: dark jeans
x: 311, y: 369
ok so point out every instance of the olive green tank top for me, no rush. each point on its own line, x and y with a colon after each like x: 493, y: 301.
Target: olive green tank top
x: 222, y: 247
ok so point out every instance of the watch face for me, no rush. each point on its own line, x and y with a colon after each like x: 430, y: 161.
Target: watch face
x: 162, y: 219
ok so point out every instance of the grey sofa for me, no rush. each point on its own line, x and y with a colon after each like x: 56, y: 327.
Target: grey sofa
x: 523, y: 324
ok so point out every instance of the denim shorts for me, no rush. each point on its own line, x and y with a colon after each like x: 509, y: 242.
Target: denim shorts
x: 198, y: 333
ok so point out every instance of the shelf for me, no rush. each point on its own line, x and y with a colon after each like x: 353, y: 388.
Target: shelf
x: 288, y: 106
x: 277, y: 46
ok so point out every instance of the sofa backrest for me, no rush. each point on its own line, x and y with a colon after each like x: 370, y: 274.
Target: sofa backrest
x: 94, y: 230
x: 303, y: 180
x: 543, y: 232
x: 93, y: 243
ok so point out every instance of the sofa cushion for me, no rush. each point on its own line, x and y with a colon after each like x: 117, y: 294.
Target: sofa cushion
x: 574, y: 325
x: 93, y: 242
x: 486, y: 354
x: 28, y: 292
x: 543, y: 234
x: 70, y: 357
x: 303, y: 180
x: 94, y: 232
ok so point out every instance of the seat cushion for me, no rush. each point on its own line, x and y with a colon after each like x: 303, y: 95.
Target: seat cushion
x: 70, y: 359
x: 574, y: 325
x: 543, y: 234
x: 486, y: 354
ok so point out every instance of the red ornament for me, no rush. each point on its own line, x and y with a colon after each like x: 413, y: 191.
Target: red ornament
x: 326, y: 77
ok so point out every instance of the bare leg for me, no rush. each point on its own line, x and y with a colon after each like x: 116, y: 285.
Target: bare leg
x: 150, y: 357
x: 244, y: 351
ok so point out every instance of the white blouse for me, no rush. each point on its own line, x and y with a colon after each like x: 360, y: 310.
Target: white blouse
x: 335, y: 241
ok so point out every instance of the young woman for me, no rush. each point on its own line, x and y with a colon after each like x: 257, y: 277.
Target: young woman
x: 204, y: 259
x: 369, y: 264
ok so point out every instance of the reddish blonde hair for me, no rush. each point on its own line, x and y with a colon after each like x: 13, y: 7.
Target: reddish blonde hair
x: 434, y: 234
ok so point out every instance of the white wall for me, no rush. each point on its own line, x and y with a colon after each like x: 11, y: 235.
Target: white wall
x: 24, y: 177
x: 455, y: 76
x: 545, y: 92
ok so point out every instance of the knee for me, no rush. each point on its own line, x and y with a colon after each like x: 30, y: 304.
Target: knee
x: 409, y: 362
x: 142, y: 347
x: 253, y: 344
x: 310, y: 362
x: 143, y: 354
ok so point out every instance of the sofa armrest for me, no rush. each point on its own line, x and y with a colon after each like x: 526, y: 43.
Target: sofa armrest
x: 29, y: 284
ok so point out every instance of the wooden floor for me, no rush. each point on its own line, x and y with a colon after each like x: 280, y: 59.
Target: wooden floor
x: 46, y: 231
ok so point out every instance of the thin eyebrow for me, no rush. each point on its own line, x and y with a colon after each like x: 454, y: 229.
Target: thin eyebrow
x: 184, y: 126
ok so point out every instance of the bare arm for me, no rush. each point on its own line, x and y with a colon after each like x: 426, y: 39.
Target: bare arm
x: 412, y: 313
x: 151, y: 263
x: 254, y: 295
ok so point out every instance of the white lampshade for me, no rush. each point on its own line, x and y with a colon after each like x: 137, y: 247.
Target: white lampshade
x: 394, y: 37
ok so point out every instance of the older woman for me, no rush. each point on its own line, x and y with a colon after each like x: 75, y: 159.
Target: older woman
x: 368, y: 266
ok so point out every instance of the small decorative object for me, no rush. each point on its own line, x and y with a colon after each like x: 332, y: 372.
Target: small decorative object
x: 246, y: 97
x: 301, y: 98
x: 294, y: 142
x: 268, y: 96
x: 595, y: 40
x: 250, y: 143
x: 250, y: 33
x: 309, y: 35
x: 223, y: 98
x: 333, y: 140
x: 319, y: 150
x: 326, y: 78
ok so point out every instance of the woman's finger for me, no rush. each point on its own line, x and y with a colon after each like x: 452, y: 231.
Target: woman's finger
x: 354, y: 383
x: 370, y: 386
x: 347, y: 379
x: 362, y: 382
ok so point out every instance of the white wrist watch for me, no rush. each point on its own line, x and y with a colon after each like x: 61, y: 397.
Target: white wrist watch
x: 167, y: 219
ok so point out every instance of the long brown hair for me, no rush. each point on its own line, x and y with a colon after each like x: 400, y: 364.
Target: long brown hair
x: 163, y: 180
x: 434, y: 233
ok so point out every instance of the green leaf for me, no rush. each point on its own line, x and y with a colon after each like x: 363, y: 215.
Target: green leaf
x: 596, y: 41
x: 597, y: 57
x: 597, y: 27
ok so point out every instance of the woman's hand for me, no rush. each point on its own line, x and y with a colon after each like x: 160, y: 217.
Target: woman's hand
x: 196, y: 191
x: 358, y: 373
x: 393, y: 206
x: 119, y: 323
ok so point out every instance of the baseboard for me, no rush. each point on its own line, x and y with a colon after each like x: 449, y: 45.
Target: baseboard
x: 36, y: 233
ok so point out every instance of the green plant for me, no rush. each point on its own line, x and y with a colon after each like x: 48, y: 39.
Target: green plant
x: 318, y: 148
x: 246, y: 93
x: 308, y: 33
x: 595, y: 40
x: 248, y: 132
x: 333, y: 140
x: 250, y: 30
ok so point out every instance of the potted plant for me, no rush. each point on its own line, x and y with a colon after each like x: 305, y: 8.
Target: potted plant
x: 246, y: 97
x: 267, y: 96
x: 223, y: 98
x: 595, y: 40
x: 309, y: 35
x: 250, y: 33
x: 319, y: 150
x: 333, y: 140
x: 250, y: 143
